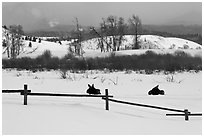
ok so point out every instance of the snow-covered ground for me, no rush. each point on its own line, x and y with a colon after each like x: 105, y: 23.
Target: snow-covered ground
x: 71, y: 115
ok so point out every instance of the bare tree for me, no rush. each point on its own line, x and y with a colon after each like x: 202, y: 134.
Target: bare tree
x: 111, y: 33
x: 77, y: 42
x: 136, y: 24
x: 6, y: 40
x: 101, y: 40
x: 116, y: 30
x: 16, y: 33
x: 112, y: 30
x: 121, y: 31
x: 13, y: 40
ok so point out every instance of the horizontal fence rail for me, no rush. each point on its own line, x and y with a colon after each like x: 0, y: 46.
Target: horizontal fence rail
x: 66, y: 95
x: 191, y: 114
x: 185, y: 112
x: 143, y: 105
x: 13, y: 91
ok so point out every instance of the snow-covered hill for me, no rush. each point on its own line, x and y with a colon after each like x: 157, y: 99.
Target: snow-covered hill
x: 157, y: 44
x: 151, y: 42
x: 90, y: 47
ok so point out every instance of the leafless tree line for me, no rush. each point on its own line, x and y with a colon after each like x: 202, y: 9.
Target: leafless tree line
x: 112, y: 31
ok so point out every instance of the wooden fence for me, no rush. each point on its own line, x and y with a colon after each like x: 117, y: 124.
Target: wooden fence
x: 25, y: 92
x: 185, y: 112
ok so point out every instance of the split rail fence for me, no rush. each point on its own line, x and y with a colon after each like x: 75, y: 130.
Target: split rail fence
x: 184, y: 112
x: 25, y: 92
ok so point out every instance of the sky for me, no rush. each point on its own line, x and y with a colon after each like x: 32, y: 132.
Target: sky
x: 33, y: 15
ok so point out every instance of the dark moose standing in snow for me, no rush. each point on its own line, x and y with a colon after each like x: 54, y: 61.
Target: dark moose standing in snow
x: 93, y: 90
x: 156, y: 91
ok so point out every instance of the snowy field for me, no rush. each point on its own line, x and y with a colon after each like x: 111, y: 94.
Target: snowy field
x: 86, y: 116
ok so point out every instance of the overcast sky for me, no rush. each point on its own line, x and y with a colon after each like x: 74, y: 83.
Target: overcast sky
x: 37, y: 14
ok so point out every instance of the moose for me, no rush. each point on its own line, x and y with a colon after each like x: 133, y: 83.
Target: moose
x: 156, y: 91
x: 92, y: 90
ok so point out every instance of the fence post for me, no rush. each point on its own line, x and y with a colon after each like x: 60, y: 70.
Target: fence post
x: 186, y: 114
x: 25, y: 94
x: 107, y: 104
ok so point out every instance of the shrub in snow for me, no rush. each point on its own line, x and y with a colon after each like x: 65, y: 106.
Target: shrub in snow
x: 26, y: 38
x: 69, y: 55
x: 36, y: 77
x: 46, y: 54
x: 47, y: 61
x: 172, y: 46
x: 185, y: 46
x: 170, y: 78
x: 115, y: 81
x: 63, y: 73
x: 53, y: 63
x: 44, y: 58
x: 180, y: 53
x: 150, y: 53
x: 128, y: 71
x: 18, y: 74
x: 198, y: 48
x: 30, y: 45
x: 34, y: 39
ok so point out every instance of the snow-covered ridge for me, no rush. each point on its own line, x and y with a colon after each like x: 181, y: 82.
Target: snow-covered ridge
x: 150, y: 42
x: 90, y: 47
